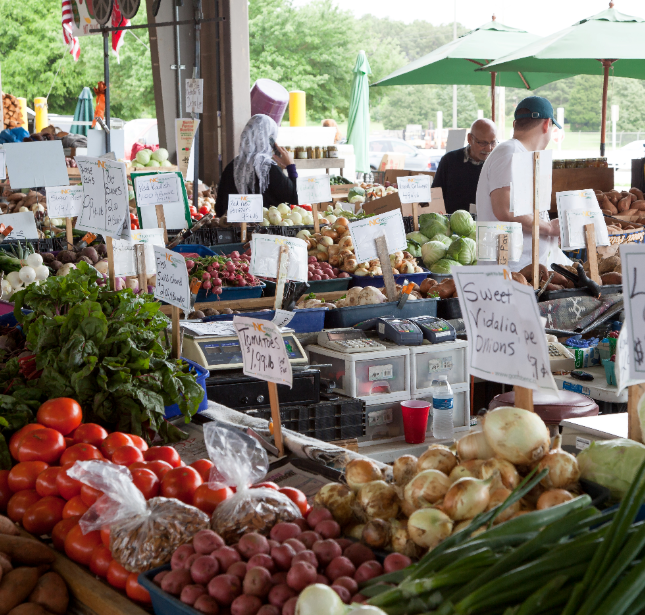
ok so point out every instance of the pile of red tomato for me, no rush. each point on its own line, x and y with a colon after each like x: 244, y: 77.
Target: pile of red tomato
x: 38, y: 493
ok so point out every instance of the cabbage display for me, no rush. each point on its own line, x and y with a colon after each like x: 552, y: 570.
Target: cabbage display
x: 462, y: 223
x: 432, y: 251
x: 444, y: 266
x: 417, y: 236
x: 435, y: 227
x: 463, y: 250
x: 444, y: 239
x: 425, y: 219
x: 414, y: 248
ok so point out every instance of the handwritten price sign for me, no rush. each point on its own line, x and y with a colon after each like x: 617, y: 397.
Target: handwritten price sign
x: 194, y: 95
x: 157, y: 189
x: 576, y: 222
x: 263, y: 350
x: 415, y: 189
x: 265, y: 251
x: 244, y: 208
x: 313, y: 189
x: 632, y: 257
x: 172, y: 278
x: 364, y: 233
x: 64, y: 201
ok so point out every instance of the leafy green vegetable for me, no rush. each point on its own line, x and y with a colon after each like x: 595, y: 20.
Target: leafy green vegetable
x: 355, y: 191
x: 435, y: 227
x: 462, y: 223
x: 444, y: 239
x: 432, y: 251
x: 417, y: 236
x: 444, y: 266
x: 414, y: 248
x: 463, y: 250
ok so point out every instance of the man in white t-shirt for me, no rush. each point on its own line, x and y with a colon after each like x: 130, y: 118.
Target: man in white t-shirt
x: 531, y: 132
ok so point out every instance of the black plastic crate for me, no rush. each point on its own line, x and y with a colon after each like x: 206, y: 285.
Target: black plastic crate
x: 408, y: 224
x: 225, y: 235
x: 355, y: 431
x: 350, y: 420
x: 40, y: 245
x: 201, y: 237
x: 268, y: 230
x: 326, y: 435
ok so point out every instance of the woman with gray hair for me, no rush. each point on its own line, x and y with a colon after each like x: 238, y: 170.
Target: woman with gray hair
x: 257, y: 169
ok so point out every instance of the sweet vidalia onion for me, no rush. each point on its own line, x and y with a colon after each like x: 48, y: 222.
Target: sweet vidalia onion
x: 498, y: 497
x: 339, y: 500
x: 428, y: 527
x: 378, y: 500
x: 563, y: 467
x: 553, y: 497
x: 467, y: 498
x: 467, y: 469
x: 437, y: 457
x: 508, y: 473
x: 377, y: 533
x: 404, y: 469
x: 474, y: 446
x: 401, y: 541
x: 361, y: 471
x: 426, y: 488
x: 517, y: 435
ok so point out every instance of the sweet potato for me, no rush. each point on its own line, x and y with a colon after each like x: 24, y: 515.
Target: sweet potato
x: 608, y: 264
x: 623, y: 204
x: 558, y: 278
x: 527, y: 272
x: 606, y: 212
x: 608, y: 205
x: 554, y: 287
x: 427, y: 285
x: 445, y: 289
x: 7, y: 526
x: 640, y: 205
x: 27, y: 608
x: 5, y: 564
x: 614, y: 196
x: 518, y: 277
x: 15, y: 587
x: 612, y: 278
x: 51, y: 593
x: 639, y: 194
x: 25, y: 550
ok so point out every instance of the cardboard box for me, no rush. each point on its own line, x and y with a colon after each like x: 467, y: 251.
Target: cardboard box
x: 392, y: 202
x: 392, y: 161
x: 342, y: 188
x: 391, y: 175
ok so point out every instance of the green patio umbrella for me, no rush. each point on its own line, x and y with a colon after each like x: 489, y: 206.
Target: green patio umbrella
x: 84, y: 112
x: 590, y: 47
x: 358, y: 128
x: 458, y: 62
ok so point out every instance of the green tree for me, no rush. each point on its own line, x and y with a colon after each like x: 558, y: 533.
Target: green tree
x: 585, y: 103
x: 629, y: 95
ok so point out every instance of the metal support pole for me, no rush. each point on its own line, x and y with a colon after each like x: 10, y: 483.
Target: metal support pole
x: 196, y: 75
x: 606, y: 64
x: 106, y: 78
x: 180, y: 109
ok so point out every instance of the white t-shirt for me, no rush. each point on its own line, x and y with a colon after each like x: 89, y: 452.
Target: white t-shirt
x: 496, y: 173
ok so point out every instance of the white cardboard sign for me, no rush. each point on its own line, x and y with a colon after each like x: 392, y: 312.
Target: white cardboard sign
x: 365, y: 231
x: 265, y: 251
x: 32, y: 165
x: 172, y: 278
x: 575, y: 209
x: 414, y: 189
x: 507, y: 343
x: 157, y: 189
x: 245, y: 208
x: 24, y: 225
x: 522, y: 182
x: 125, y: 262
x: 3, y: 164
x: 64, y: 201
x: 194, y: 95
x: 105, y: 200
x: 487, y: 233
x: 315, y: 189
x: 263, y: 350
x: 632, y: 257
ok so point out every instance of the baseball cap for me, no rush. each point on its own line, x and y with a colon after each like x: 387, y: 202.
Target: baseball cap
x: 540, y: 108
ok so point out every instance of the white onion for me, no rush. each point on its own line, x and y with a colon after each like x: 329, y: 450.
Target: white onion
x: 461, y: 525
x: 517, y: 435
x: 319, y: 599
x: 437, y: 457
x: 401, y: 541
x: 361, y: 471
x: 508, y: 473
x: 265, y: 222
x: 428, y: 527
x: 34, y: 260
x: 498, y: 497
x: 304, y: 234
x: 42, y: 272
x: 467, y: 469
x: 284, y: 209
x: 474, y: 446
x: 13, y: 278
x: 378, y: 500
x: 6, y: 289
x: 364, y: 609
x: 331, y: 218
x: 339, y: 499
x: 27, y: 275
x: 563, y: 467
x: 102, y: 267
x: 404, y: 469
x: 275, y: 217
x: 553, y: 497
x: 426, y: 488
x: 467, y: 498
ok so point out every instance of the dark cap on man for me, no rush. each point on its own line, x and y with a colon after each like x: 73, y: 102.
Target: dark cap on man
x: 540, y: 109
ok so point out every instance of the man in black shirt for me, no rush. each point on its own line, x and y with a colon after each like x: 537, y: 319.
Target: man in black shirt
x: 458, y: 172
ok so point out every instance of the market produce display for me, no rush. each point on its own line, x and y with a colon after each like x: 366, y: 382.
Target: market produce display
x: 11, y: 114
x: 148, y: 159
x: 217, y: 272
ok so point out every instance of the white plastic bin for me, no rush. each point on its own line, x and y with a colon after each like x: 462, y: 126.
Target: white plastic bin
x: 448, y: 358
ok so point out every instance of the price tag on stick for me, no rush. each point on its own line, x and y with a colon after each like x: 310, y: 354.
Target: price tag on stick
x: 415, y: 189
x: 157, y: 189
x: 265, y: 253
x: 245, y: 208
x: 364, y: 233
x: 315, y: 189
x: 64, y: 201
x: 172, y: 278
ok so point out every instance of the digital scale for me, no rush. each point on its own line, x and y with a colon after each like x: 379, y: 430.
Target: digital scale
x: 348, y: 340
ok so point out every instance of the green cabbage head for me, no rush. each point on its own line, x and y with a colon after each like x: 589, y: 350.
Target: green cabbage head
x: 463, y: 250
x: 414, y: 248
x: 435, y: 227
x: 417, y: 236
x: 462, y: 223
x: 432, y: 251
x: 443, y: 239
x: 444, y: 266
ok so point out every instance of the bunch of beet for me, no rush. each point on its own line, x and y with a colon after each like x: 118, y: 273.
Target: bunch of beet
x: 264, y: 576
x: 214, y: 272
x: 323, y: 270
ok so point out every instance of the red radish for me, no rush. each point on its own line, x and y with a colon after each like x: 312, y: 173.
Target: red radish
x: 190, y: 265
x: 206, y: 275
x: 234, y: 254
x: 206, y: 284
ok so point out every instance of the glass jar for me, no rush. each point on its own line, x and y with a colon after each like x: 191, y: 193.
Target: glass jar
x: 603, y: 163
x: 318, y: 151
x: 300, y: 152
x: 310, y: 152
x: 558, y: 164
x: 332, y: 150
x: 580, y: 163
x: 570, y: 163
x: 324, y: 152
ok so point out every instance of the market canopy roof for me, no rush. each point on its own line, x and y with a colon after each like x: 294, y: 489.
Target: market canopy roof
x: 458, y: 62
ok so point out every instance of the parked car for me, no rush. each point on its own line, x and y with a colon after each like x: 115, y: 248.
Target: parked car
x: 415, y: 159
x: 623, y: 157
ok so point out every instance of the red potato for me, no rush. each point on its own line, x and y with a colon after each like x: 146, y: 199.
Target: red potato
x: 207, y: 541
x: 279, y: 578
x: 302, y: 524
x: 179, y: 557
x: 268, y: 609
x: 301, y: 575
x: 265, y: 561
x: 295, y: 544
x: 349, y: 583
x: 238, y: 569
x: 359, y: 598
x: 225, y: 588
x: 204, y: 568
x: 396, y: 561
x: 246, y: 605
x: 207, y: 605
x: 226, y: 556
x: 158, y: 578
x: 317, y: 515
x: 340, y: 567
x: 290, y: 607
x: 367, y: 571
x: 343, y: 543
x: 257, y: 582
x: 328, y: 529
x: 343, y: 592
x: 326, y: 551
x: 253, y: 543
x: 5, y: 564
x: 280, y: 594
x: 308, y: 538
x: 188, y: 562
x: 175, y: 581
x: 273, y: 543
x: 305, y: 556
x: 190, y: 593
x: 282, y: 556
x: 321, y: 578
x: 359, y: 554
x: 284, y: 531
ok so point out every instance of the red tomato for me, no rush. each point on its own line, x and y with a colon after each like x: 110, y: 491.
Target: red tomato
x: 68, y: 487
x: 41, y: 518
x: 74, y: 508
x: 63, y: 414
x: 134, y: 227
x: 20, y: 502
x: 136, y: 591
x: 163, y: 453
x: 80, y: 452
x: 60, y: 531
x: 5, y: 492
x: 69, y: 442
x: 192, y: 209
x: 41, y: 445
x: 138, y: 465
x: 113, y: 441
x: 203, y: 466
x: 139, y: 442
x: 14, y: 441
x: 105, y: 536
x: 79, y: 546
x: 265, y: 485
x: 100, y: 561
x: 90, y: 433
x: 147, y: 482
x: 133, y: 216
x: 204, y: 210
x: 24, y: 475
x: 89, y: 495
x: 46, y: 482
x: 209, y: 495
x: 297, y: 497
x: 181, y: 483
x: 126, y: 455
x: 159, y: 467
x: 197, y: 216
x: 117, y: 575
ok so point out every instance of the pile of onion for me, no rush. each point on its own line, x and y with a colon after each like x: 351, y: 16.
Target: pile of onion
x: 563, y: 467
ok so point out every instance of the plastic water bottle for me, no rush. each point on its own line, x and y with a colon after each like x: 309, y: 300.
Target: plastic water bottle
x: 442, y: 404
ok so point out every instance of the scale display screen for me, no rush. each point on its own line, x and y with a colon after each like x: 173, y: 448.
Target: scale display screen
x: 227, y: 352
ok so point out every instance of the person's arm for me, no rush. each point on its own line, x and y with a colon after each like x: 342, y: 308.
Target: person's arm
x: 501, y: 201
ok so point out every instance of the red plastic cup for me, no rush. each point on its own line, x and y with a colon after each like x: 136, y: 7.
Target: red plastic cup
x: 415, y: 420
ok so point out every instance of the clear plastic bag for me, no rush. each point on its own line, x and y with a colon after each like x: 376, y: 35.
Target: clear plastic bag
x: 143, y: 534
x: 240, y: 461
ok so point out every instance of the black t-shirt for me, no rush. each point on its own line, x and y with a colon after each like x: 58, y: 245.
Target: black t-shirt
x: 281, y: 189
x: 458, y: 179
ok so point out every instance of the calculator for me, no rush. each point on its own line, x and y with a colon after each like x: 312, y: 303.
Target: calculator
x: 435, y: 330
x: 348, y: 340
x: 562, y: 359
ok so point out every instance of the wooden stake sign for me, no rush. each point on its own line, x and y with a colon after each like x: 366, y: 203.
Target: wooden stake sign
x: 386, y: 267
x: 314, y: 211
x: 109, y: 245
x: 140, y: 261
x: 415, y: 215
x: 244, y: 231
x: 502, y: 249
x: 592, y: 256
x: 69, y: 233
x: 536, y: 221
x: 161, y: 221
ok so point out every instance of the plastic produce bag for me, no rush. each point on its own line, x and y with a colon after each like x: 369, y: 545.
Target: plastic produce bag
x: 240, y: 461
x: 143, y: 534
